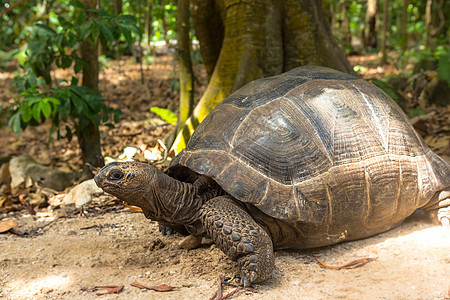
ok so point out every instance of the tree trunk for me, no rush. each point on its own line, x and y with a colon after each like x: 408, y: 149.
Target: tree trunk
x: 89, y: 137
x: 428, y: 24
x: 148, y: 23
x: 118, y: 7
x: 186, y: 74
x: 332, y: 16
x: 260, y: 38
x: 403, y: 24
x: 344, y: 24
x: 210, y: 32
x: 371, y: 22
x: 385, y: 26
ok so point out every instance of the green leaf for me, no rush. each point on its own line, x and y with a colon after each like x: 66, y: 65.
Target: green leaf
x: 77, y: 4
x: 46, y: 108
x: 14, y: 123
x: 126, y: 33
x: 165, y: 114
x: 66, y: 61
x: 443, y: 68
x: 95, y: 32
x: 117, y: 114
x: 26, y: 112
x: 53, y: 100
x: 85, y: 30
x: 106, y: 33
x: 414, y: 112
x: 46, y: 29
x: 93, y: 102
x: 36, y: 111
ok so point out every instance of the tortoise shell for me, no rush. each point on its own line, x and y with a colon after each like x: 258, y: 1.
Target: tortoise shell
x: 320, y: 148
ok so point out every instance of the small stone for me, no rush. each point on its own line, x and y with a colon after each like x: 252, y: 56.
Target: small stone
x: 190, y: 242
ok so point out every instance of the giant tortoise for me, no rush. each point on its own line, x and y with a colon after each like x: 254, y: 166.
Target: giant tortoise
x: 308, y: 158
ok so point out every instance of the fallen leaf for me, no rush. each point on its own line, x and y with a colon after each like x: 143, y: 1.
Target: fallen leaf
x: 159, y: 288
x: 351, y: 265
x: 7, y: 225
x: 110, y: 289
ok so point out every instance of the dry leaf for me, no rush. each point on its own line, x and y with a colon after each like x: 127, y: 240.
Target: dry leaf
x: 7, y: 225
x: 159, y: 288
x: 110, y: 289
x: 351, y: 265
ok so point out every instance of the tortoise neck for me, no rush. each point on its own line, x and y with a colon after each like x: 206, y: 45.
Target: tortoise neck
x: 172, y: 201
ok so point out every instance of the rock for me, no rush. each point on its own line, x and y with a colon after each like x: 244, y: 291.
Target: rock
x: 5, y: 179
x: 37, y: 199
x: 24, y: 166
x: 82, y: 193
x: 190, y: 242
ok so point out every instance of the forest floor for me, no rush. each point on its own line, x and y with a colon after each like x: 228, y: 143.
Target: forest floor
x: 63, y: 253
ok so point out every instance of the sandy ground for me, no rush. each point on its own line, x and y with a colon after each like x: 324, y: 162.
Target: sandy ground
x: 61, y: 256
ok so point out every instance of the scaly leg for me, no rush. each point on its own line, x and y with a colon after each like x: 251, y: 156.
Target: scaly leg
x: 240, y: 237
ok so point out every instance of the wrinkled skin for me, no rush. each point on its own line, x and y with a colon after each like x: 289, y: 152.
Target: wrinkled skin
x: 200, y: 206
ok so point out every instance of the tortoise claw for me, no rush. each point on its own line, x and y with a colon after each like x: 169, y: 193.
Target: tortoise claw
x: 444, y: 216
x: 244, y: 280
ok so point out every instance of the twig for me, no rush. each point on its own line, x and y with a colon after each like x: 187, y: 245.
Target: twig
x: 27, y: 205
x: 131, y: 207
x: 159, y: 288
x: 110, y: 289
x: 219, y: 293
x: 351, y: 265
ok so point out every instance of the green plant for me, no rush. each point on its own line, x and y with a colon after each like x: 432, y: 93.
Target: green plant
x: 165, y: 114
x: 443, y: 68
x: 58, y: 44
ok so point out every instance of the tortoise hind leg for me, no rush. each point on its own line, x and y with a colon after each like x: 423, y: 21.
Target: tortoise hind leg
x: 240, y: 237
x: 441, y: 207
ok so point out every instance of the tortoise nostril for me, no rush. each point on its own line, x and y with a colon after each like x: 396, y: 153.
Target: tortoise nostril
x: 115, y: 174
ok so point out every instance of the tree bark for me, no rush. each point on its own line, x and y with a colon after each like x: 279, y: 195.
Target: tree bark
x: 344, y: 25
x: 428, y: 24
x: 260, y: 38
x: 385, y: 26
x: 148, y: 24
x: 403, y: 24
x: 118, y: 7
x: 210, y: 32
x: 371, y: 21
x: 186, y: 74
x: 89, y: 136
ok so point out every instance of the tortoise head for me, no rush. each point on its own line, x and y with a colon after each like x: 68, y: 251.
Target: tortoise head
x: 126, y: 180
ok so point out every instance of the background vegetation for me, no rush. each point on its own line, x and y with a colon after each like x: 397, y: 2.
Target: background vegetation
x: 37, y: 38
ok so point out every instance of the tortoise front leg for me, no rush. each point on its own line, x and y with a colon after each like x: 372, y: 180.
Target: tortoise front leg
x: 240, y: 237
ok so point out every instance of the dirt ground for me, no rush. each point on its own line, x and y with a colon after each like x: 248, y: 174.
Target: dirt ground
x: 65, y: 254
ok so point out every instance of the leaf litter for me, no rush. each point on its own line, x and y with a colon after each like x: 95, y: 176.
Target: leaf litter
x: 143, y: 130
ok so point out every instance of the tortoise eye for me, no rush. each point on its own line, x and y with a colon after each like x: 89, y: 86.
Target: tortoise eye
x: 115, y: 174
